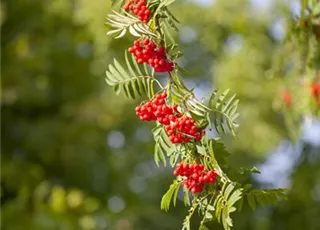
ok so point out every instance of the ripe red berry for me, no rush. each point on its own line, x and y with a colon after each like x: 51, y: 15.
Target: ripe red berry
x: 195, y: 176
x: 146, y: 12
x: 132, y: 50
x: 157, y: 110
x: 315, y: 88
x: 150, y: 54
x: 139, y: 8
x: 179, y: 128
x: 286, y: 97
x: 182, y: 127
x: 126, y: 7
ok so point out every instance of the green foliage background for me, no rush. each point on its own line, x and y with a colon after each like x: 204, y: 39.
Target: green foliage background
x: 75, y: 156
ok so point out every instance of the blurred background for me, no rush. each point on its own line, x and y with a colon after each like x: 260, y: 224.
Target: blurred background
x: 75, y: 156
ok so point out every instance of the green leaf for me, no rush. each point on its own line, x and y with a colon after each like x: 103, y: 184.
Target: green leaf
x: 187, y: 219
x: 186, y: 197
x: 241, y: 173
x: 235, y: 196
x: 121, y: 24
x: 203, y: 227
x: 224, y: 203
x: 131, y: 80
x: 175, y: 196
x: 183, y: 96
x: 220, y: 153
x: 201, y: 149
x: 117, y: 3
x: 171, y: 193
x: 166, y: 3
x: 173, y: 159
x: 184, y: 72
x: 247, y: 187
x: 168, y: 36
x: 254, y: 170
x: 163, y: 146
x: 222, y: 107
x: 170, y: 20
x: 264, y: 196
x: 251, y: 202
x: 240, y: 204
x: 162, y: 7
x: 224, y: 111
x: 208, y: 215
x: 210, y: 208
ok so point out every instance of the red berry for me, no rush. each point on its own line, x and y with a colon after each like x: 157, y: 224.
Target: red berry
x: 161, y: 101
x: 126, y: 7
x: 286, y: 97
x: 138, y: 8
x: 162, y: 50
x: 137, y: 43
x: 195, y: 176
x: 150, y: 54
x: 315, y: 87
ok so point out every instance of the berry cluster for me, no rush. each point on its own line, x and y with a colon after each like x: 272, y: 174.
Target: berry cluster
x: 315, y: 89
x: 287, y: 98
x: 155, y: 110
x: 195, y: 175
x: 315, y: 92
x: 182, y: 126
x: 139, y: 8
x: 179, y: 128
x: 147, y: 52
